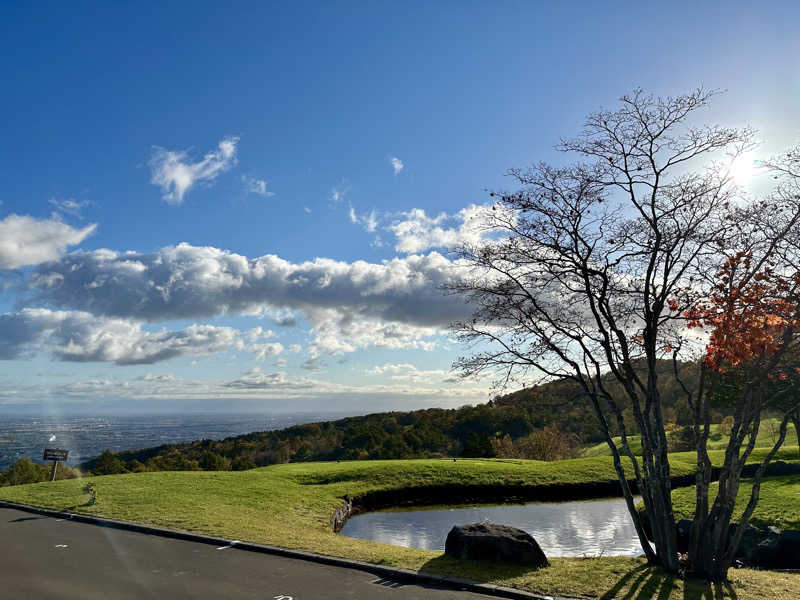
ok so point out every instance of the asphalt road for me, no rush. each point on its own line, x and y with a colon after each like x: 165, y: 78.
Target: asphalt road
x: 43, y: 557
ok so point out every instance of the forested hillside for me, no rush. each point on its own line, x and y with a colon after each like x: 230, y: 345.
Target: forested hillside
x: 486, y: 430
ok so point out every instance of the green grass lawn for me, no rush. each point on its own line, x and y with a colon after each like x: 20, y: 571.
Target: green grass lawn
x: 767, y: 436
x: 778, y: 504
x: 292, y: 505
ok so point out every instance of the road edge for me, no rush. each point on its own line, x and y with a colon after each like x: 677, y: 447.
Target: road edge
x: 392, y: 572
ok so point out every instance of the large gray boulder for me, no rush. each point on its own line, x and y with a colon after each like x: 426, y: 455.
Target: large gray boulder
x: 763, y: 547
x: 758, y: 547
x: 487, y: 541
x: 788, y: 556
x: 769, y: 548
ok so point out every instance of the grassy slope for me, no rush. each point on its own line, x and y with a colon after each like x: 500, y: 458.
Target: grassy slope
x: 767, y: 434
x: 779, y: 502
x: 291, y: 506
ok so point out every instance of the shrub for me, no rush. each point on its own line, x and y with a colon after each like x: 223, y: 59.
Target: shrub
x: 108, y: 464
x: 211, y: 461
x: 242, y: 463
x: 548, y: 443
x: 91, y: 489
x: 23, y: 471
x: 726, y: 426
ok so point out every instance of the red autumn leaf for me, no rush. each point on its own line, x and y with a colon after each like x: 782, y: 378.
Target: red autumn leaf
x: 747, y: 313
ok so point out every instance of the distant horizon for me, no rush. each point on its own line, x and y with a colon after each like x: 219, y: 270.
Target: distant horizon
x: 67, y: 410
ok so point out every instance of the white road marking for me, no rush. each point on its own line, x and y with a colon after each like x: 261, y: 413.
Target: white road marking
x: 62, y: 546
x: 231, y: 545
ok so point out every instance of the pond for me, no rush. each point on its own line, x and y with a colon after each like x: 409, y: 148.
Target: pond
x: 588, y: 527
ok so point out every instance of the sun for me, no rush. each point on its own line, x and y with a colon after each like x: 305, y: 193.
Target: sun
x: 744, y: 168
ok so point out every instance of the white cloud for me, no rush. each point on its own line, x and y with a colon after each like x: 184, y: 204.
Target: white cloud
x: 283, y: 317
x: 337, y: 332
x: 176, y: 175
x: 256, y: 379
x: 262, y: 351
x: 81, y: 337
x: 256, y: 384
x: 409, y: 373
x: 253, y: 383
x: 69, y: 206
x: 397, y: 164
x: 416, y: 232
x: 390, y: 368
x: 396, y: 304
x: 312, y: 363
x: 258, y: 333
x: 307, y: 210
x: 338, y: 194
x: 368, y: 220
x: 256, y: 186
x: 28, y: 241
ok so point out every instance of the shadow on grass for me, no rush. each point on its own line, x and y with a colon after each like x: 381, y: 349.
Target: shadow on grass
x: 480, y: 571
x: 640, y: 583
x: 703, y: 590
x: 636, y: 583
x: 651, y: 583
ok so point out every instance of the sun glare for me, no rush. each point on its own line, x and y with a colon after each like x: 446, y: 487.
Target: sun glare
x: 744, y: 168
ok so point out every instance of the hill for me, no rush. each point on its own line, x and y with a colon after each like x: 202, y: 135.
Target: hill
x: 469, y: 431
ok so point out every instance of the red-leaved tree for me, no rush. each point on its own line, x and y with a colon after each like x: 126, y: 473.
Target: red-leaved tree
x: 750, y: 363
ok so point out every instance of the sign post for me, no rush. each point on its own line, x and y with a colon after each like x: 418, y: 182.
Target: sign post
x: 55, y: 454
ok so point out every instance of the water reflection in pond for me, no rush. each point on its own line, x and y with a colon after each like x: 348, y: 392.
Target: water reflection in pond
x: 588, y: 527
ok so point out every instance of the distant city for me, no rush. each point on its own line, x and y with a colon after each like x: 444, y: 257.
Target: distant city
x: 86, y: 437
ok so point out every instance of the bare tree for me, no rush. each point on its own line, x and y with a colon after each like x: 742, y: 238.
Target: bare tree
x: 593, y: 267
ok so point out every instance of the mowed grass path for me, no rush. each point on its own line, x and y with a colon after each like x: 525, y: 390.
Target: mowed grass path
x: 292, y: 506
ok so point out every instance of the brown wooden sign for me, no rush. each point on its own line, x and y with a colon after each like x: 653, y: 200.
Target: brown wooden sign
x: 55, y: 454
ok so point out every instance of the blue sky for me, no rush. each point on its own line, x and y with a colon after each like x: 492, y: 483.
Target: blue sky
x: 247, y: 206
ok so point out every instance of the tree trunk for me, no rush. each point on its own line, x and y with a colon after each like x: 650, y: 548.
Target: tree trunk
x: 796, y: 423
x: 710, y: 549
x: 714, y: 550
x: 663, y: 526
x: 655, y: 451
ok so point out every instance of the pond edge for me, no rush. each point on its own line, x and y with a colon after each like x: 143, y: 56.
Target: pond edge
x: 514, y: 494
x: 442, y: 495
